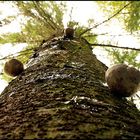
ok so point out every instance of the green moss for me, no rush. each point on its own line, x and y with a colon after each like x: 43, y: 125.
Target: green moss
x: 30, y: 136
x: 108, y: 134
x: 86, y: 127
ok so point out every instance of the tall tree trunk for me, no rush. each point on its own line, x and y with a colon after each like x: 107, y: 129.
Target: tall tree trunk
x: 61, y: 94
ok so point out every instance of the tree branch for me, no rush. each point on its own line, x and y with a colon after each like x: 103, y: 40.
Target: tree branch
x: 24, y: 51
x: 114, y: 46
x: 98, y: 24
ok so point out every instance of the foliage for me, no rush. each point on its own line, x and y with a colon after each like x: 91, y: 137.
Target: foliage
x: 130, y: 16
x: 130, y: 19
x: 39, y: 20
x: 134, y: 17
x: 12, y: 38
x: 124, y: 56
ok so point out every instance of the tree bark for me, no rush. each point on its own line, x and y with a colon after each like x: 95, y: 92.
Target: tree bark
x: 61, y: 95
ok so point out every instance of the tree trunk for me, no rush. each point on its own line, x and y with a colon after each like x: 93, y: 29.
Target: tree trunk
x: 61, y: 95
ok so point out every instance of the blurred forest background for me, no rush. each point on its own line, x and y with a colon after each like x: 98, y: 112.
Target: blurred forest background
x: 111, y: 27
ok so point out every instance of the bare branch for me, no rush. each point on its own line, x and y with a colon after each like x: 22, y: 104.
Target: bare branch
x: 24, y: 51
x: 91, y: 35
x: 108, y: 34
x: 114, y: 46
x: 98, y: 24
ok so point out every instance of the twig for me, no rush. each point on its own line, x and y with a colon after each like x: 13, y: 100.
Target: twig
x: 98, y: 24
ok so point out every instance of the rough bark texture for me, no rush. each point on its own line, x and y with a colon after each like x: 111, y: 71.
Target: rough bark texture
x: 61, y: 95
